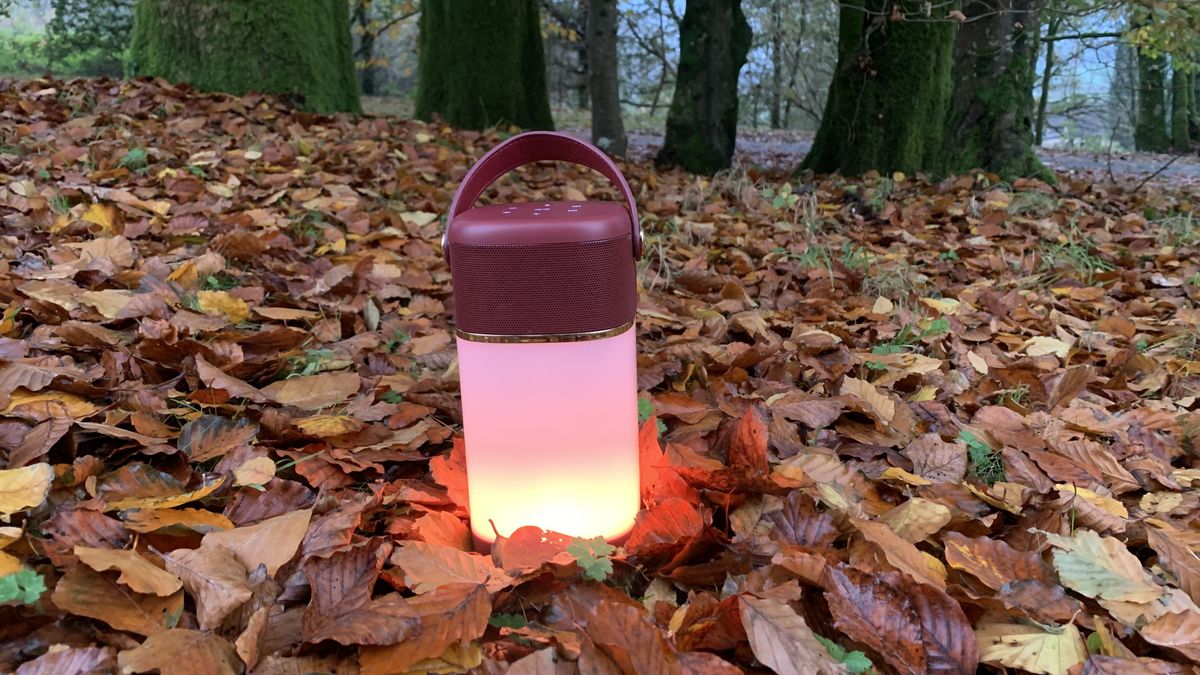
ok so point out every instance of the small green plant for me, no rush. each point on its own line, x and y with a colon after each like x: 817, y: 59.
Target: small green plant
x: 221, y: 281
x: 881, y: 193
x: 1078, y: 254
x: 783, y: 198
x: 645, y: 411
x: 948, y: 255
x: 985, y: 463
x: 1017, y: 395
x: 398, y: 338
x: 855, y: 661
x: 60, y: 204
x: 136, y: 160
x: 1180, y: 229
x: 899, y: 282
x: 592, y: 556
x: 908, y: 337
x: 24, y: 586
x: 309, y: 227
x: 390, y: 396
x: 311, y: 362
x: 1033, y: 203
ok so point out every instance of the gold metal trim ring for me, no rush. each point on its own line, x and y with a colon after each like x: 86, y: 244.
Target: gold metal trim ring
x: 551, y: 337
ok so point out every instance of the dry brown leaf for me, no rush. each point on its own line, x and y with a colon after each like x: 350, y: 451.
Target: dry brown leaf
x: 85, y: 592
x: 782, y: 641
x: 273, y: 542
x: 214, y: 578
x: 313, y: 392
x: 182, y: 652
x: 137, y: 573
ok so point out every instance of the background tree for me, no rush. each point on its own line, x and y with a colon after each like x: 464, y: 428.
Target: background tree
x: 714, y: 38
x: 275, y: 46
x: 887, y: 103
x: 608, y: 129
x: 482, y: 64
x: 1151, y: 131
x: 372, y: 20
x: 1181, y: 104
x: 102, y: 27
x: 990, y: 118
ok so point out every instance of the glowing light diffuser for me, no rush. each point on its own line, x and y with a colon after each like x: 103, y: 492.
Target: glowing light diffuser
x: 545, y: 296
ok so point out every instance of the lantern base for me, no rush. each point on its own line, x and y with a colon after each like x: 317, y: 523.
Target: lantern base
x: 485, y: 547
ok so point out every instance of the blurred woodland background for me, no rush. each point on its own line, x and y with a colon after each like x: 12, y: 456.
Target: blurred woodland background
x: 941, y: 86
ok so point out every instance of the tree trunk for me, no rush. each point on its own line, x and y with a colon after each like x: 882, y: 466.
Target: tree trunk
x: 1044, y: 100
x: 301, y: 50
x: 482, y: 64
x: 990, y: 119
x: 887, y: 103
x: 714, y: 38
x: 1151, y: 131
x: 608, y: 130
x: 366, y: 49
x: 777, y: 65
x: 1180, y: 133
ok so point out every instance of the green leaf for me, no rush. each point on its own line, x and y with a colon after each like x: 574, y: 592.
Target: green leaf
x: 592, y: 555
x: 645, y: 409
x: 855, y: 661
x: 24, y: 586
x: 508, y: 621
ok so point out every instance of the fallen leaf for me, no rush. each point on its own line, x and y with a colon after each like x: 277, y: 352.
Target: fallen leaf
x: 273, y: 542
x: 137, y: 573
x: 214, y: 578
x: 180, y: 651
x: 24, y: 488
x: 782, y: 641
x: 84, y: 592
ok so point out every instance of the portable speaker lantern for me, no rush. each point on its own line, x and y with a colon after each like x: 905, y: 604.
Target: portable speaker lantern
x: 544, y: 302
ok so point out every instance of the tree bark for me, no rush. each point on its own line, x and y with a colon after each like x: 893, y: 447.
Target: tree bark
x: 777, y: 64
x: 482, y: 64
x: 990, y: 119
x: 714, y: 38
x: 366, y: 49
x: 1150, y: 134
x: 887, y: 103
x: 302, y: 50
x: 1044, y: 100
x: 608, y: 129
x: 1180, y: 115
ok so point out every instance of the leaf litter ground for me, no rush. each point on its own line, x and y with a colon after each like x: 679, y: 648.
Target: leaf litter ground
x: 889, y: 424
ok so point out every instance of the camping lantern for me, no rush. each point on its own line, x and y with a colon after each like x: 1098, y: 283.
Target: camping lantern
x: 544, y: 300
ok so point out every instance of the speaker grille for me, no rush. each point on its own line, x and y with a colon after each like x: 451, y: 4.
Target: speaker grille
x: 551, y: 288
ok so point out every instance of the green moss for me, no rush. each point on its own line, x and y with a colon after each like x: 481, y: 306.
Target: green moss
x: 990, y: 122
x: 482, y: 65
x: 1180, y: 122
x: 888, y: 101
x: 714, y: 39
x: 298, y: 49
x: 1151, y: 131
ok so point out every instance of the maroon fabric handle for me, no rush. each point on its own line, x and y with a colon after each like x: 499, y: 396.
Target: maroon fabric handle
x: 537, y: 146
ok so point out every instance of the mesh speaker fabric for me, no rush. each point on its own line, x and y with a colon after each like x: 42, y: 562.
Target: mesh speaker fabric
x: 538, y: 289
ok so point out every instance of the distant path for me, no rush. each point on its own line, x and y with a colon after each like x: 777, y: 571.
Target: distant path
x: 782, y: 151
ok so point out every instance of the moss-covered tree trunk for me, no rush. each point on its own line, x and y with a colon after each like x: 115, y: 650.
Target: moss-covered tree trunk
x: 608, y: 129
x: 714, y: 38
x: 887, y: 102
x: 482, y: 64
x: 990, y: 120
x: 1180, y: 113
x: 1150, y: 134
x: 298, y: 49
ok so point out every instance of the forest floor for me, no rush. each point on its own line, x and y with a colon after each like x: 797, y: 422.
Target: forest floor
x: 889, y: 425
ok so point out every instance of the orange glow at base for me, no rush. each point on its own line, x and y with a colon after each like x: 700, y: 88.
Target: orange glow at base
x: 551, y: 436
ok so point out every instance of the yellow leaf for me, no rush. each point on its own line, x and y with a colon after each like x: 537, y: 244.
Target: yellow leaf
x: 8, y: 564
x: 254, y: 472
x: 23, y: 488
x: 1042, y: 345
x: 314, y: 392
x: 137, y: 573
x: 874, y: 403
x: 896, y: 473
x: 324, y: 426
x: 46, y: 404
x: 221, y: 303
x: 1108, y: 504
x: 108, y: 302
x: 168, y: 502
x: 943, y: 305
x: 1031, y: 647
x: 103, y: 215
